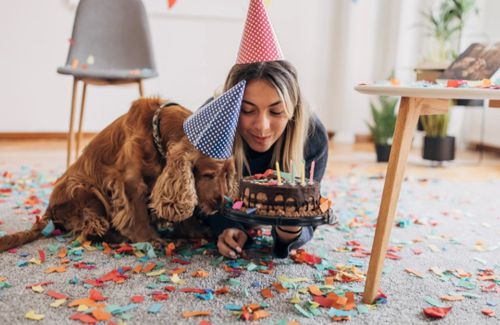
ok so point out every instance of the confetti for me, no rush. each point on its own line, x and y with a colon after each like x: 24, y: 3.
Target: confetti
x: 436, y: 312
x: 188, y: 314
x: 33, y: 315
x: 488, y: 312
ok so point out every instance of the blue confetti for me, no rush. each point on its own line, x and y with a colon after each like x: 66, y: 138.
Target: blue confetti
x: 155, y: 308
x: 49, y: 228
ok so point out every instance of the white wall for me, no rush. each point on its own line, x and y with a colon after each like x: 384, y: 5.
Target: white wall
x: 334, y: 45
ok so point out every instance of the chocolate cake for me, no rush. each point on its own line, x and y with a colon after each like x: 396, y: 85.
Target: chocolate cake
x: 263, y: 195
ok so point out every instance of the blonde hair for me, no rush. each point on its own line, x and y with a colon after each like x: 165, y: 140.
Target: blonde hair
x: 283, y: 77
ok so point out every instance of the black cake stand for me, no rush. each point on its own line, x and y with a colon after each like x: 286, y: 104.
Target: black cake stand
x: 327, y: 218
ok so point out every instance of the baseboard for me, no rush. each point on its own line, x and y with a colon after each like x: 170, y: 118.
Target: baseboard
x: 363, y: 138
x: 484, y: 147
x: 31, y: 136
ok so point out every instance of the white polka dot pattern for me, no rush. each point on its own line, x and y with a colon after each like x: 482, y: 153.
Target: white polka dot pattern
x: 211, y: 129
x: 259, y: 42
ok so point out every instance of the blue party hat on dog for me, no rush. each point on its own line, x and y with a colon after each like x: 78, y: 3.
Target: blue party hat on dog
x: 211, y: 129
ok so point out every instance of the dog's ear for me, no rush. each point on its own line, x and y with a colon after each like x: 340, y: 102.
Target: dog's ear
x: 231, y: 179
x: 174, y: 194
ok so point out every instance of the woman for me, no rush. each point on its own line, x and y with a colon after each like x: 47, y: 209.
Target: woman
x: 274, y: 125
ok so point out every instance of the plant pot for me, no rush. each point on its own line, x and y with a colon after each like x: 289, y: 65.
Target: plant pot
x: 439, y: 148
x: 383, y: 152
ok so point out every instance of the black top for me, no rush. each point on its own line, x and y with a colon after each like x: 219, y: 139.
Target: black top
x: 316, y: 148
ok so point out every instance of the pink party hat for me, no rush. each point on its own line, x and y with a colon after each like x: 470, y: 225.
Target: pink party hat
x: 259, y: 42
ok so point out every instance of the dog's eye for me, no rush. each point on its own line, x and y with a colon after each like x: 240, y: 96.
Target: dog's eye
x: 209, y: 176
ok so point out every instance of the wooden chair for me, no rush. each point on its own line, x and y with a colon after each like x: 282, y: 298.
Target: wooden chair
x: 110, y: 45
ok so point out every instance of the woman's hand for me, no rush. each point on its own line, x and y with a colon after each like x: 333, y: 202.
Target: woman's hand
x: 231, y: 241
x: 288, y: 233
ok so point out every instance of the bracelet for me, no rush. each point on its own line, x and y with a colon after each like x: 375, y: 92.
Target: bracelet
x: 290, y: 232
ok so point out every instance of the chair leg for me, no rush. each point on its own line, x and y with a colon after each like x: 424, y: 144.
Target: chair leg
x: 71, y: 118
x: 80, y: 122
x: 141, y: 88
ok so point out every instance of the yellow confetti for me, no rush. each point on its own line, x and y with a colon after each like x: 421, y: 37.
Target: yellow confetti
x: 416, y: 273
x: 295, y: 299
x: 88, y: 244
x: 436, y: 270
x: 175, y: 279
x: 283, y: 278
x: 82, y: 308
x: 433, y: 248
x: 37, y: 289
x: 57, y: 303
x: 35, y: 261
x: 58, y: 269
x: 452, y: 298
x: 303, y: 290
x: 90, y: 59
x: 156, y: 273
x: 34, y: 316
x: 486, y: 83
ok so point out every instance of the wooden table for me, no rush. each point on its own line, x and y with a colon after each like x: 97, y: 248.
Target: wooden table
x: 415, y: 101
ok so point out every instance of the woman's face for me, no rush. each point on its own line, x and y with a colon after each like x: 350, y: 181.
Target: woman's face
x: 262, y: 118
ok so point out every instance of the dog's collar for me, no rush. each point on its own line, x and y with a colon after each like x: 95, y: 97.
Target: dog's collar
x: 156, y: 129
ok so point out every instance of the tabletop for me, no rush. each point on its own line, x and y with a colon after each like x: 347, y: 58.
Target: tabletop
x: 430, y: 92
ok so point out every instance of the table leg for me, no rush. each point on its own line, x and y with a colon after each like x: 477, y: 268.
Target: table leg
x: 406, y: 124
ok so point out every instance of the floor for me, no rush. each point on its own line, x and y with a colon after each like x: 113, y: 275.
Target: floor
x: 447, y: 229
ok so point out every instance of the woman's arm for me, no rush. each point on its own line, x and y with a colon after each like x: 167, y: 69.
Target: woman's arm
x: 316, y: 149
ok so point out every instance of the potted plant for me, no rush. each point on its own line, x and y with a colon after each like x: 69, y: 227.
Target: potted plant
x: 438, y: 145
x: 382, y: 126
x: 446, y: 26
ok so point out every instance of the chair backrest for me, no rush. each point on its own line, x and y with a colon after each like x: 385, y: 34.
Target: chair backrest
x: 114, y: 32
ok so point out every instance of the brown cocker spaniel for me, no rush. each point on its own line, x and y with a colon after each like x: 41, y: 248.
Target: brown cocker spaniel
x: 121, y: 177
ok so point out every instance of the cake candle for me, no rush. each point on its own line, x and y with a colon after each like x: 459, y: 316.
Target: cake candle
x: 303, y: 173
x: 278, y: 173
x: 292, y: 172
x: 311, y: 173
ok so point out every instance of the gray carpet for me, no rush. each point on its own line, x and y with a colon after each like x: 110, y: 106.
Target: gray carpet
x: 455, y: 225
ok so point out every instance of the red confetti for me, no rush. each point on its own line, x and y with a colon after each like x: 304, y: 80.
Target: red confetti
x: 84, y: 318
x: 158, y: 296
x: 169, y: 288
x: 126, y: 248
x: 192, y: 290
x: 393, y: 256
x: 41, y: 253
x: 170, y: 3
x: 436, y: 312
x: 96, y: 295
x: 56, y: 295
x: 94, y: 282
x: 222, y: 291
x: 301, y: 256
x: 323, y: 301
x: 137, y: 299
x: 180, y: 261
x: 488, y: 312
x: 205, y: 322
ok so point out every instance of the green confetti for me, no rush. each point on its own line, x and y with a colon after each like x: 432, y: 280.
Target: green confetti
x: 302, y: 311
